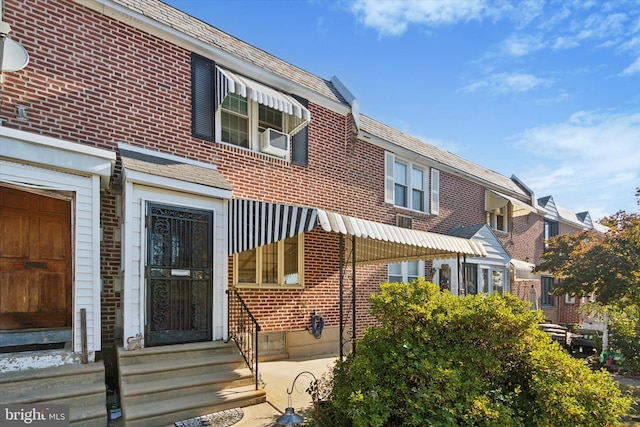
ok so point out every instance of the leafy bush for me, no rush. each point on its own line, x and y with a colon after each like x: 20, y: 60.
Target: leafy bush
x: 441, y: 360
x: 624, y: 324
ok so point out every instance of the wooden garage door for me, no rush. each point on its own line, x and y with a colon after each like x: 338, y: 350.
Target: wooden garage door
x: 35, y: 260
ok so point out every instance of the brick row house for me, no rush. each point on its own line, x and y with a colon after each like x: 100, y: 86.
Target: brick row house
x: 160, y: 180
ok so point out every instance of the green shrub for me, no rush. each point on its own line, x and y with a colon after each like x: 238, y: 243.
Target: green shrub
x: 624, y: 324
x: 441, y: 360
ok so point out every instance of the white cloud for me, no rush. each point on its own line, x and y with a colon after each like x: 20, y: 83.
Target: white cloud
x: 393, y: 17
x: 521, y: 45
x: 507, y: 83
x: 632, y: 69
x: 561, y: 96
x: 584, y: 158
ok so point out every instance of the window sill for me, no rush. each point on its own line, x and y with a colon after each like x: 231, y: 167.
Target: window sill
x: 413, y: 213
x: 505, y: 232
x: 253, y: 153
x: 269, y: 286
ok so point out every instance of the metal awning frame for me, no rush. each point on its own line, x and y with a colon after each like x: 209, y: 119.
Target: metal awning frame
x: 378, y: 243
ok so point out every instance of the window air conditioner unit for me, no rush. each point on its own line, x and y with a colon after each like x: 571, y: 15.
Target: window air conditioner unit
x: 274, y: 142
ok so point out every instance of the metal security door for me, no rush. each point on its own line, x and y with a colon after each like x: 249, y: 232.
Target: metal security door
x: 178, y: 275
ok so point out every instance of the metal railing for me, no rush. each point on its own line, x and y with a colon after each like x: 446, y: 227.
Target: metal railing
x: 243, y: 329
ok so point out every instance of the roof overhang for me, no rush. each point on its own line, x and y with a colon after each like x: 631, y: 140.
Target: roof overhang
x: 54, y: 153
x: 146, y: 167
x: 256, y: 223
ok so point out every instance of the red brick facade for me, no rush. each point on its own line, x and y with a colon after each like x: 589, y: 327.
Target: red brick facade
x: 96, y: 81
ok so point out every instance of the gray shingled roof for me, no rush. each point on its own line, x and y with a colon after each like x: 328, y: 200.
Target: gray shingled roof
x: 465, y: 232
x: 446, y: 158
x: 168, y: 168
x: 206, y: 33
x: 184, y: 23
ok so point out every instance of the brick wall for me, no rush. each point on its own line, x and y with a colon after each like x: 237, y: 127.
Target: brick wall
x: 95, y: 81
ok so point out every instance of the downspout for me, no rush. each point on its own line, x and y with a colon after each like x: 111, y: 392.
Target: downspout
x: 341, y: 292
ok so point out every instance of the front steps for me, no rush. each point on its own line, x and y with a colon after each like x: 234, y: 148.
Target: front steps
x: 162, y: 385
x: 81, y: 387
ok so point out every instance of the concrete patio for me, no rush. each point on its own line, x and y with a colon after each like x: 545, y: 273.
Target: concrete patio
x: 278, y: 376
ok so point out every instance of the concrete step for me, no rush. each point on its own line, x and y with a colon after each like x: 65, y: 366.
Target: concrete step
x: 65, y: 375
x: 165, y: 412
x: 167, y: 389
x: 162, y: 385
x: 180, y: 368
x: 82, y: 387
x: 175, y: 352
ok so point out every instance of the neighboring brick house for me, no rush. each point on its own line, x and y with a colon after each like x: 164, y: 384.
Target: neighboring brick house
x: 558, y: 220
x: 107, y: 101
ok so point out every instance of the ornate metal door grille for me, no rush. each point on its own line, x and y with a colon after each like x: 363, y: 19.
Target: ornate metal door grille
x: 178, y: 275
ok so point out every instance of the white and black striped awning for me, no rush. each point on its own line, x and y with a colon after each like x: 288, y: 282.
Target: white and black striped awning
x: 229, y: 82
x: 255, y: 223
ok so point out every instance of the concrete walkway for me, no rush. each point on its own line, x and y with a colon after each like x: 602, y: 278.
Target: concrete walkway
x: 278, y: 377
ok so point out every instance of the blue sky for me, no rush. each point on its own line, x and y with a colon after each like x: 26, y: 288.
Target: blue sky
x: 548, y: 91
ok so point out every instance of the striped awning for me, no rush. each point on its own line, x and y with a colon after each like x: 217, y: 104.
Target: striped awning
x: 229, y: 82
x: 255, y: 223
x: 378, y: 243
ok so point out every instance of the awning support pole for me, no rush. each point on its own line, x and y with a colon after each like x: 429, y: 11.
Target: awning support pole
x: 341, y: 291
x: 353, y: 294
x: 461, y: 291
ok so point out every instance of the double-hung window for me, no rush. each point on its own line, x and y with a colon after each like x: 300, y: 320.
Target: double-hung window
x: 412, y: 186
x: 233, y: 109
x: 405, y: 272
x: 277, y: 264
x: 497, y: 218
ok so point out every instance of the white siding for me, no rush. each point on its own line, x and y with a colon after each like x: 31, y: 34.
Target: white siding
x: 134, y: 299
x: 497, y: 257
x: 86, y: 239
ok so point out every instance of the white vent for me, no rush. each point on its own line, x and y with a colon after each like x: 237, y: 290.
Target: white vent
x: 403, y: 221
x: 274, y: 142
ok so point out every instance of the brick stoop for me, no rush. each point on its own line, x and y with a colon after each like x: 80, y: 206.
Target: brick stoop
x: 162, y: 385
x: 82, y: 387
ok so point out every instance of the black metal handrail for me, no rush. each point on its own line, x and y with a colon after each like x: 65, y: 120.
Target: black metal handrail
x: 243, y: 329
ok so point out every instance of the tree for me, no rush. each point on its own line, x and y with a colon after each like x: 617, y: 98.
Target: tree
x: 441, y: 360
x: 606, y: 266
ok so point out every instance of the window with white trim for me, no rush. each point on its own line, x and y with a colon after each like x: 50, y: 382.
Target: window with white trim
x: 471, y: 279
x: 412, y: 186
x: 278, y: 264
x: 497, y: 219
x: 230, y: 108
x: 405, y: 272
x: 497, y: 278
x: 242, y: 121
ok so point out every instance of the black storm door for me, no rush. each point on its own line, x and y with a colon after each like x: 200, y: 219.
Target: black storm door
x: 178, y: 275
